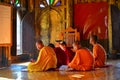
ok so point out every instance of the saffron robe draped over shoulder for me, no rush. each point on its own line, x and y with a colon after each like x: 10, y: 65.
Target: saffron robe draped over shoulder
x: 99, y: 54
x: 46, y: 60
x: 83, y: 60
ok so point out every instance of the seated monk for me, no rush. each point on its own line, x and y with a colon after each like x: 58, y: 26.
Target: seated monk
x: 61, y: 56
x: 46, y: 59
x: 69, y: 53
x: 83, y: 59
x: 99, y: 52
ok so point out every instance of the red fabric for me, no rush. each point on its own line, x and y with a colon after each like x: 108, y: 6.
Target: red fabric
x: 61, y: 57
x: 69, y: 54
x: 91, y: 18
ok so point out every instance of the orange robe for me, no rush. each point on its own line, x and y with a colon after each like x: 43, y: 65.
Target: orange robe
x: 46, y: 60
x: 83, y: 60
x: 99, y: 54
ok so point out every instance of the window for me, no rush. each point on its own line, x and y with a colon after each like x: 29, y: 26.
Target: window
x: 45, y: 3
x: 19, y: 35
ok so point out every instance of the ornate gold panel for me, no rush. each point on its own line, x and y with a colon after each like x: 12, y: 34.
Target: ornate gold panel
x: 50, y: 23
x: 50, y: 20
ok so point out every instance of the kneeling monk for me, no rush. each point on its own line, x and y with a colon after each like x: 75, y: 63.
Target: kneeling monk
x: 46, y: 59
x: 83, y: 59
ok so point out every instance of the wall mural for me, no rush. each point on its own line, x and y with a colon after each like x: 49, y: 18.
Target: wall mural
x: 91, y: 18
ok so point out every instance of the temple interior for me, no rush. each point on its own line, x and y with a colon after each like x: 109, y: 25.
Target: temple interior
x: 22, y: 22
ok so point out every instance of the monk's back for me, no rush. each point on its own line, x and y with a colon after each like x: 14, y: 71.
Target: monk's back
x: 99, y: 55
x: 46, y: 60
x: 83, y: 60
x: 86, y: 57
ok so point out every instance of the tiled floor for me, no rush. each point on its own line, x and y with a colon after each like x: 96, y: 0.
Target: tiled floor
x: 14, y: 73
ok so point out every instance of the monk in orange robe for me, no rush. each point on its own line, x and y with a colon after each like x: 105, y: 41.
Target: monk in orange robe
x: 83, y: 59
x: 46, y: 59
x: 99, y: 52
